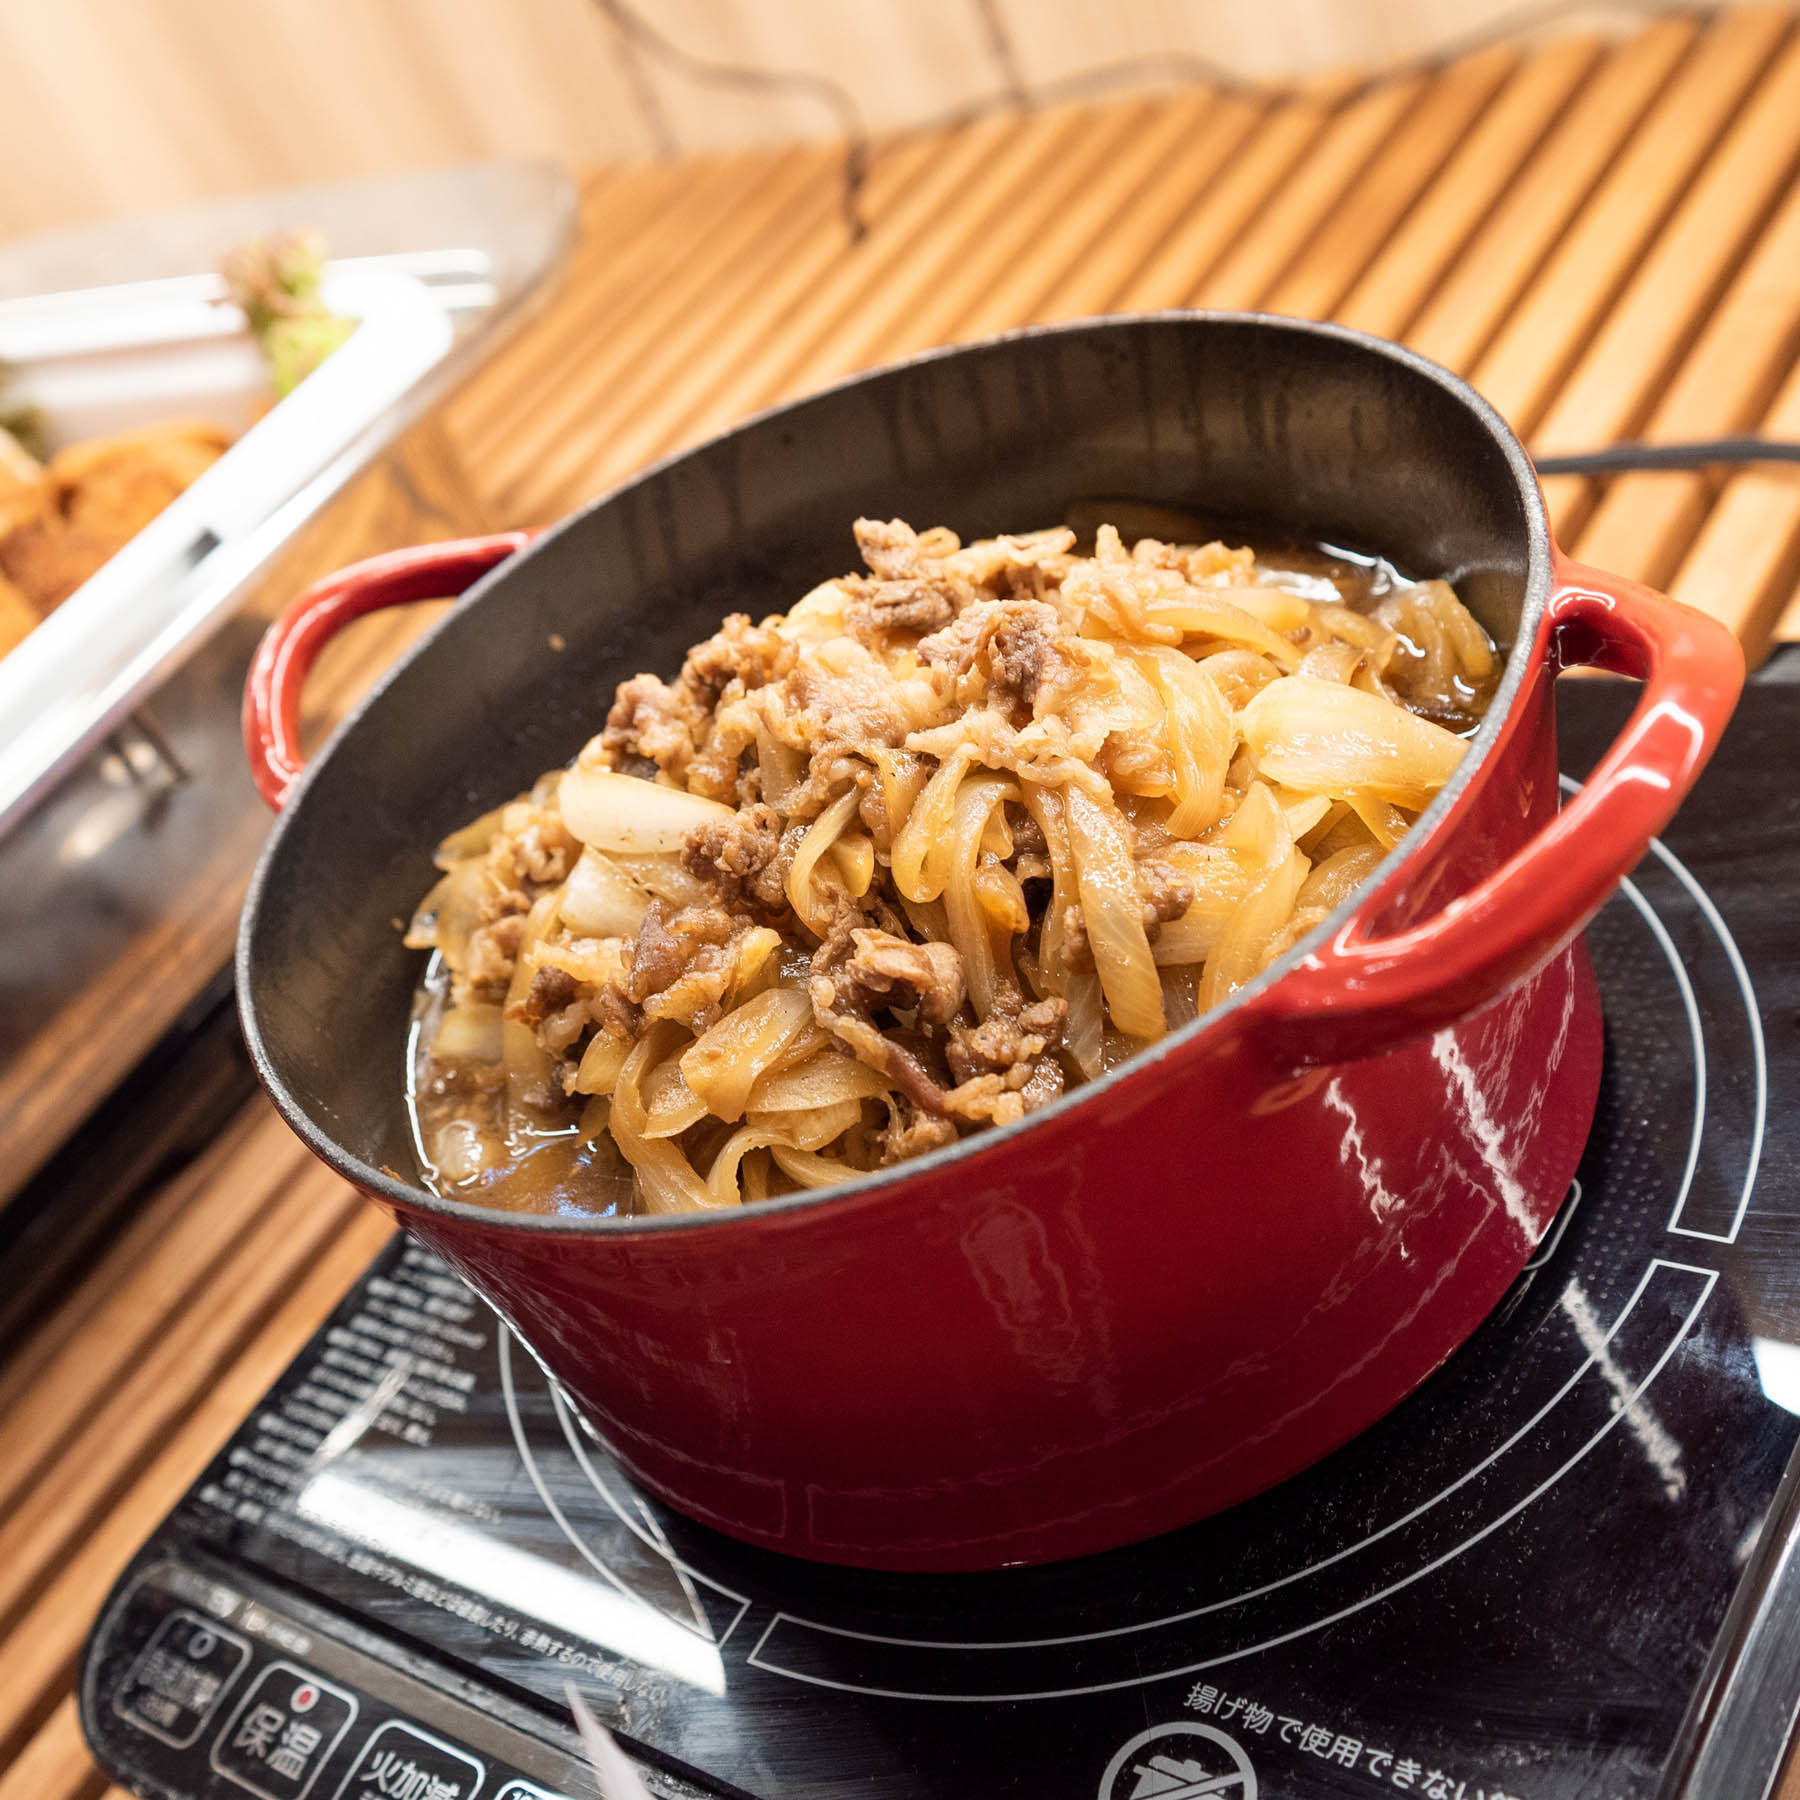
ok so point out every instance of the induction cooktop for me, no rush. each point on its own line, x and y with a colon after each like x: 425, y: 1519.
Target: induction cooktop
x: 1561, y: 1570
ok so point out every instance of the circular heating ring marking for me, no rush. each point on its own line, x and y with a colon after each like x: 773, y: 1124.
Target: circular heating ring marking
x: 1690, y: 1006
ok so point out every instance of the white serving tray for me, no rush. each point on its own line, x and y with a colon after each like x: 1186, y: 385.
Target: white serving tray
x: 165, y: 344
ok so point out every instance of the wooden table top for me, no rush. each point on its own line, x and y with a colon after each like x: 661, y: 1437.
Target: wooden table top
x: 1602, y: 233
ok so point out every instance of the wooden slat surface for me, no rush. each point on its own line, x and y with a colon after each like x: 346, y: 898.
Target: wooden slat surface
x: 1604, y: 233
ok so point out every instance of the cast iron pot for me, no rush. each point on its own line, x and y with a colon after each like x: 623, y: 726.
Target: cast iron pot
x: 1175, y: 1286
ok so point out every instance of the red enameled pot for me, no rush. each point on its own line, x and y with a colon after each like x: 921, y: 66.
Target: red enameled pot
x: 1176, y: 1286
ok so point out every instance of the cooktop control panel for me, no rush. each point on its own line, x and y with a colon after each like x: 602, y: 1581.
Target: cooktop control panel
x: 207, y: 1689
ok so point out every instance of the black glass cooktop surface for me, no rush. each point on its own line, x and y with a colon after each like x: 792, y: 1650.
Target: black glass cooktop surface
x: 1560, y: 1571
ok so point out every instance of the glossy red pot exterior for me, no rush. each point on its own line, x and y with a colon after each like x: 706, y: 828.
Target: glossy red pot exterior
x: 1177, y: 1286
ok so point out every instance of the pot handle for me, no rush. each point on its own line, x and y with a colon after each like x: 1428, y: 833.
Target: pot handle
x: 285, y: 656
x: 1359, y: 994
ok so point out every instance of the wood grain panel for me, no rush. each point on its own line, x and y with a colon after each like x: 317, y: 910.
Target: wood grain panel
x: 843, y: 327
x: 1292, y: 217
x: 822, y: 283
x: 1644, y: 522
x: 1470, y: 307
x: 136, y: 1411
x: 753, y: 235
x: 974, y: 248
x: 656, y: 263
x: 1130, y: 242
x: 1427, y: 243
x: 1425, y: 133
x: 1666, y: 303
x: 54, y: 1764
x: 641, y: 219
x: 120, y: 105
x: 37, y: 1656
x: 1744, y: 563
x: 1082, y: 228
x: 1220, y: 214
x: 1564, y: 306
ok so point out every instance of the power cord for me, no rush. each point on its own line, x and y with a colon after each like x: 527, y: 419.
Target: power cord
x: 1707, y: 453
x: 1165, y: 69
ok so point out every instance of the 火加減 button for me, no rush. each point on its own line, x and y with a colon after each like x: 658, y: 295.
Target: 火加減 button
x: 180, y: 1676
x: 401, y: 1762
x: 281, y: 1734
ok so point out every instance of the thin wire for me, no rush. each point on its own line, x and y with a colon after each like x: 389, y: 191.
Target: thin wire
x: 638, y: 31
x: 1707, y: 453
x: 1162, y: 69
x: 1005, y: 54
x: 1175, y: 68
x: 1183, y: 67
x: 644, y: 96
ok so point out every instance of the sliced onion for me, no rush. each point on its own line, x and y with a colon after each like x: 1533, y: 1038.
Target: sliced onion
x: 816, y: 617
x: 1258, y: 830
x: 449, y: 915
x: 1244, y: 946
x: 1330, y: 661
x: 970, y: 927
x: 1002, y: 899
x: 922, y: 845
x: 1274, y: 607
x: 808, y: 1130
x: 854, y: 856
x: 1252, y: 844
x: 722, y: 1177
x: 600, y: 1064
x: 662, y: 876
x: 1238, y: 674
x: 819, y: 838
x: 592, y: 961
x: 1196, y: 614
x: 666, y: 1180
x: 1222, y: 882
x: 1200, y: 736
x: 670, y: 1105
x: 600, y: 900
x: 1467, y: 641
x: 1332, y: 880
x: 903, y: 776
x: 611, y: 811
x: 724, y: 1064
x: 468, y: 1034
x: 810, y: 1170
x: 822, y: 1080
x: 1305, y: 814
x: 472, y: 840
x: 530, y: 1071
x: 1181, y: 989
x: 1321, y: 737
x: 783, y: 768
x: 422, y: 929
x: 1386, y: 824
x: 1085, y: 1029
x: 1114, y: 915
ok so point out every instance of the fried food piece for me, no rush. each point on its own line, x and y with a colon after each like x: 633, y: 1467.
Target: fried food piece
x: 93, y: 499
x: 113, y: 487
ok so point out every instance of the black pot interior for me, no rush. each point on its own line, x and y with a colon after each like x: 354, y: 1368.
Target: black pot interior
x: 1304, y: 433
